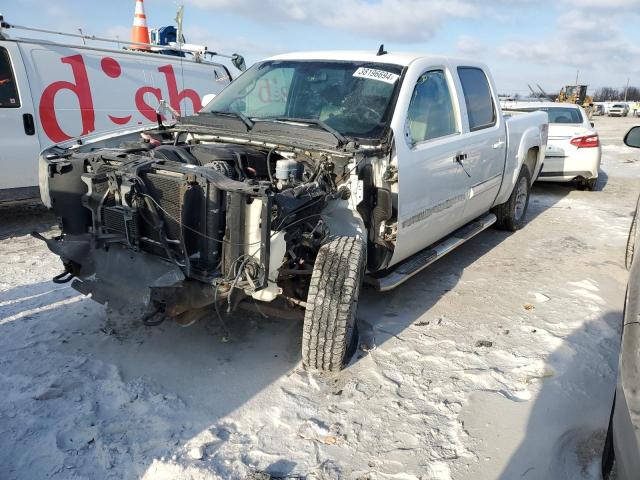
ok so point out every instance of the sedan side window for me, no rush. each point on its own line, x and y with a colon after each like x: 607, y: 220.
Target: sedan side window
x: 431, y: 114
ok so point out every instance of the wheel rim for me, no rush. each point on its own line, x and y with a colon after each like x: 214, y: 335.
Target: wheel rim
x: 521, y: 198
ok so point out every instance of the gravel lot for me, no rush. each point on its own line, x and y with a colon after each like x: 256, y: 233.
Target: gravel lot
x: 497, y: 362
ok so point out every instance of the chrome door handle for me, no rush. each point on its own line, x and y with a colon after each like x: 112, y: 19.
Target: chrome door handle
x: 498, y: 144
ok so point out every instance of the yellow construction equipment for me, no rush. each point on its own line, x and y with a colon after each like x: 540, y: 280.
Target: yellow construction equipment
x: 576, y: 94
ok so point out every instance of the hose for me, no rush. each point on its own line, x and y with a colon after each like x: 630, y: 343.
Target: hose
x: 269, y: 165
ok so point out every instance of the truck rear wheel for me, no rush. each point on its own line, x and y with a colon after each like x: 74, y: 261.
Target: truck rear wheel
x: 330, y: 317
x: 511, y: 214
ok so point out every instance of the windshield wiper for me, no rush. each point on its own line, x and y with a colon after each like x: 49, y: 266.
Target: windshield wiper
x: 312, y: 121
x: 241, y: 116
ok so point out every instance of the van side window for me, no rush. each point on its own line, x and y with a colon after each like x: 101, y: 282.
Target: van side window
x: 221, y: 74
x: 431, y: 114
x: 8, y: 89
x: 477, y: 96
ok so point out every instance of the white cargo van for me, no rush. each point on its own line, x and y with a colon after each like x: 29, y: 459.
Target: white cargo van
x: 53, y: 92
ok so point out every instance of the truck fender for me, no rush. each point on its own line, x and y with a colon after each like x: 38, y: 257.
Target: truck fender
x: 344, y: 220
x: 530, y: 152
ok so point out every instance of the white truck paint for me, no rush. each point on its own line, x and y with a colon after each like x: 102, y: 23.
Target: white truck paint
x: 428, y: 174
x: 64, y: 92
x: 402, y: 156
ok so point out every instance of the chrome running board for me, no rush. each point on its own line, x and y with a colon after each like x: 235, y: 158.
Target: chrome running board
x: 389, y: 279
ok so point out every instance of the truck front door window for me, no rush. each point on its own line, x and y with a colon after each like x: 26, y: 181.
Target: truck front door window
x: 477, y: 95
x: 8, y: 89
x: 431, y: 113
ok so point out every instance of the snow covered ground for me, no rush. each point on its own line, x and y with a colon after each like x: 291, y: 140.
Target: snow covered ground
x: 497, y: 362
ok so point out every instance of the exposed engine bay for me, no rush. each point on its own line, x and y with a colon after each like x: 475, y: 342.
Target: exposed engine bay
x: 195, y: 222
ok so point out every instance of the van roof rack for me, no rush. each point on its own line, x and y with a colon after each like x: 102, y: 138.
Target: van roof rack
x: 199, y: 52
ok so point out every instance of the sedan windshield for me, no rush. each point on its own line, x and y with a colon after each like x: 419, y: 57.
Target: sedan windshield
x: 353, y: 98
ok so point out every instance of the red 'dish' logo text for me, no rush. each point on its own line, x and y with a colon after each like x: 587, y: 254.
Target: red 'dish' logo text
x: 145, y: 98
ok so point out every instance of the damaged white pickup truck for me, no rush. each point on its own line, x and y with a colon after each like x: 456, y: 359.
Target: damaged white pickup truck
x: 307, y: 176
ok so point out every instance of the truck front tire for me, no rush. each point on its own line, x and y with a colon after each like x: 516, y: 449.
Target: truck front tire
x: 512, y: 214
x: 330, y: 317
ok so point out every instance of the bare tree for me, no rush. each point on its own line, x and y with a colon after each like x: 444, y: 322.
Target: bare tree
x: 606, y: 94
x: 610, y: 94
x: 633, y: 94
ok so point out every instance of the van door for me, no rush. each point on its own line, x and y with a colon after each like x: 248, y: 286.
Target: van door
x: 485, y: 145
x: 20, y: 145
x: 432, y: 185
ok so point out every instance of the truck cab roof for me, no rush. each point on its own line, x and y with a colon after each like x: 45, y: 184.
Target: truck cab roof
x: 396, y: 58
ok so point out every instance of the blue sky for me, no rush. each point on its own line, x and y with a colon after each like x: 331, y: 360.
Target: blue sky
x: 523, y: 41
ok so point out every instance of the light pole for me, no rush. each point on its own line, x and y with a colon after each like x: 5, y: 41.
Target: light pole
x: 625, y: 90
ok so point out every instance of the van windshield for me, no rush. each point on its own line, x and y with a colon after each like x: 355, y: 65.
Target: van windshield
x: 353, y: 98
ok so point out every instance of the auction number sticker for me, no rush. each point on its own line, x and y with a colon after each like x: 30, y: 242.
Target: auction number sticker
x: 374, y: 74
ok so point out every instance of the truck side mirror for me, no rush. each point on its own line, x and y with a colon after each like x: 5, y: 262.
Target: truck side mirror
x: 632, y: 138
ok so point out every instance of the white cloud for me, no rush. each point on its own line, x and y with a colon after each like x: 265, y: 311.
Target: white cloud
x: 470, y: 46
x: 584, y: 39
x: 408, y: 21
x: 605, y: 5
x: 119, y: 32
x: 248, y: 48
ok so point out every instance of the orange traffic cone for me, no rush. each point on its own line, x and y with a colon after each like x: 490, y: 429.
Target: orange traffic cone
x: 140, y: 32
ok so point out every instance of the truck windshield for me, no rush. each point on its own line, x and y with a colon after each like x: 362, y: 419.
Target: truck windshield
x: 353, y: 98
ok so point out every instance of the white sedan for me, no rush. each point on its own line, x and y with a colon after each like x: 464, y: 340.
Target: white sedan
x: 573, y: 151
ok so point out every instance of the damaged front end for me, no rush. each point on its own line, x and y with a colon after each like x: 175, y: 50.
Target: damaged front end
x: 185, y: 221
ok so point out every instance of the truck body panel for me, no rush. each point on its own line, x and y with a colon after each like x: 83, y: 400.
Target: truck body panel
x: 408, y: 154
x: 437, y: 194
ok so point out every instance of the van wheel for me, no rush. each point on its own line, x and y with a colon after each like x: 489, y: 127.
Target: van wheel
x: 511, y: 214
x: 330, y: 317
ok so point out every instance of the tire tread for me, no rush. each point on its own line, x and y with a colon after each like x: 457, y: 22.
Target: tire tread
x: 505, y: 212
x: 332, y: 302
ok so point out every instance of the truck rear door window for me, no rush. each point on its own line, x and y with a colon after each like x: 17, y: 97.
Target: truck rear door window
x: 8, y: 88
x: 431, y: 113
x: 477, y: 96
